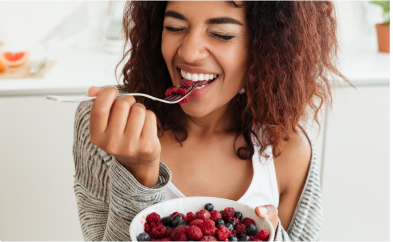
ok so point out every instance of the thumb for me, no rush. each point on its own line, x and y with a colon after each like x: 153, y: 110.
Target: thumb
x: 270, y: 212
x: 93, y: 91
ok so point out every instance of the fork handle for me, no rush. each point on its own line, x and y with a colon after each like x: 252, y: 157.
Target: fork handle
x: 70, y: 98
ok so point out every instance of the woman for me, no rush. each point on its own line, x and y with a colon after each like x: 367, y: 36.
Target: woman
x: 237, y: 138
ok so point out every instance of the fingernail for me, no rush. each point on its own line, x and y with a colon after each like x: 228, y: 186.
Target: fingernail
x: 262, y: 210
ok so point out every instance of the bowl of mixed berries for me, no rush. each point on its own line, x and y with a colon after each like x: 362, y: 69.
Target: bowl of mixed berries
x: 200, y: 219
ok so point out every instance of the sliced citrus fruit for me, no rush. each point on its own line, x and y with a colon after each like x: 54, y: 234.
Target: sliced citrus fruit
x: 2, y: 66
x: 15, y: 59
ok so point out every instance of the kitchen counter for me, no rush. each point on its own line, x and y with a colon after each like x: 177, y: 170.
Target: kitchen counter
x: 76, y: 71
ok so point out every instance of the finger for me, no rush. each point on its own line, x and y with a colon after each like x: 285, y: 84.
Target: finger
x: 93, y: 91
x: 268, y: 211
x: 119, y: 115
x: 149, y: 130
x: 101, y: 109
x: 135, y: 122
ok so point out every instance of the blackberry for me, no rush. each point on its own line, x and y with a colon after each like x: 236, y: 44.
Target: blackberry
x: 233, y: 222
x: 167, y: 228
x: 238, y: 215
x: 209, y: 207
x: 239, y: 235
x: 176, y: 219
x: 219, y: 222
x: 229, y: 226
x: 181, y: 223
x: 221, y: 211
x: 244, y: 238
x: 232, y: 238
x: 167, y: 221
x: 143, y: 237
x: 252, y: 230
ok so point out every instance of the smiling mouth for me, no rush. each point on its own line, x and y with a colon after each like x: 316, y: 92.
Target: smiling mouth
x: 194, y: 77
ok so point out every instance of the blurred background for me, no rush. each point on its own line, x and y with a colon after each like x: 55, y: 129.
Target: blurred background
x: 79, y: 45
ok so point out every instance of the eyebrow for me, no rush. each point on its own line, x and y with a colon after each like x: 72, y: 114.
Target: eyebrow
x: 223, y: 20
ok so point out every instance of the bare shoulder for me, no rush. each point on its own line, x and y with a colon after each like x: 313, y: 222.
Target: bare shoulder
x: 293, y: 165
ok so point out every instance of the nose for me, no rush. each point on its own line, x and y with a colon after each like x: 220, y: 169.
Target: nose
x: 193, y: 48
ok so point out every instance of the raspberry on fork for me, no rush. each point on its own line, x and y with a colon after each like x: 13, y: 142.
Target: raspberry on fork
x: 187, y: 83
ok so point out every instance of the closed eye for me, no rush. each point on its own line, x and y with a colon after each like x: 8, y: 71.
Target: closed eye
x: 224, y: 37
x: 170, y: 29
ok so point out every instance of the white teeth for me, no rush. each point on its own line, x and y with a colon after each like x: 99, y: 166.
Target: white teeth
x: 196, y: 77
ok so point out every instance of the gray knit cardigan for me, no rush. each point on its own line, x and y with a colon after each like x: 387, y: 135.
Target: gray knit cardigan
x: 108, y: 196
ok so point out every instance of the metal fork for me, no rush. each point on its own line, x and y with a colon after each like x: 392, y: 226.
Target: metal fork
x: 172, y: 99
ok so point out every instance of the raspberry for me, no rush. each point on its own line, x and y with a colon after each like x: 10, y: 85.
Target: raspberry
x: 194, y: 233
x: 203, y: 214
x: 185, y: 100
x: 147, y: 228
x: 170, y: 90
x: 197, y: 222
x: 169, y: 232
x: 180, y: 233
x: 233, y: 232
x: 241, y: 228
x: 189, y: 218
x: 208, y: 238
x: 153, y: 217
x: 215, y: 215
x: 159, y: 231
x: 223, y: 233
x: 152, y: 225
x: 228, y: 213
x: 208, y: 227
x: 248, y: 221
x: 251, y: 237
x: 262, y: 235
x: 187, y: 83
x: 182, y: 91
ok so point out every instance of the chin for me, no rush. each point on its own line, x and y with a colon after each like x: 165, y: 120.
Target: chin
x: 196, y: 111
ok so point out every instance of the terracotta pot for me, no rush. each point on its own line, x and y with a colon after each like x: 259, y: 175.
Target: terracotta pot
x: 383, y: 33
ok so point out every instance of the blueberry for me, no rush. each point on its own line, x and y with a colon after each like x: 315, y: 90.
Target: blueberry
x: 181, y: 223
x: 219, y: 222
x: 233, y: 222
x: 209, y: 207
x: 238, y: 215
x: 245, y: 238
x: 176, y: 219
x: 167, y: 221
x: 143, y: 237
x: 229, y: 226
x: 252, y: 230
x: 232, y: 238
x: 183, y: 214
x: 221, y: 211
x: 239, y: 235
x: 167, y: 228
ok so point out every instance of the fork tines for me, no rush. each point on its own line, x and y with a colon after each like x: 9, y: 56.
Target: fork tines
x: 177, y: 96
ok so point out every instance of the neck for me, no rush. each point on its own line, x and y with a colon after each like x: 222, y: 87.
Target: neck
x: 220, y: 121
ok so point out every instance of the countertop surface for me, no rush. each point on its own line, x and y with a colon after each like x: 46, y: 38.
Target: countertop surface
x: 76, y: 71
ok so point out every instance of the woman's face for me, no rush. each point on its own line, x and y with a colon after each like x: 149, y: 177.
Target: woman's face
x: 205, y: 38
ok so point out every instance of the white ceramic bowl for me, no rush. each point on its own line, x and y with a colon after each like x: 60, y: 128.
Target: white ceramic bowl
x: 194, y: 204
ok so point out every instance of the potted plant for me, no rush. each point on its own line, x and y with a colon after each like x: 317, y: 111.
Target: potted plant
x: 383, y: 30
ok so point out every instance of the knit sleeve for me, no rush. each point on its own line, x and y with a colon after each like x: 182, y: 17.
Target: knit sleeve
x: 108, y: 196
x: 307, y: 220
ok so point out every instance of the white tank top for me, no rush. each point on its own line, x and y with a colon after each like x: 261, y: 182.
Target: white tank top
x: 263, y: 189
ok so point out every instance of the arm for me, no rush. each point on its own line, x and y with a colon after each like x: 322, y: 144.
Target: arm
x: 108, y: 196
x: 299, y: 215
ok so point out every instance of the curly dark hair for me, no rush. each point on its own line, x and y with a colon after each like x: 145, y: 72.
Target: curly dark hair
x: 292, y: 56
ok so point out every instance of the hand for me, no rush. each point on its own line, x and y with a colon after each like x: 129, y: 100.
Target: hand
x: 125, y: 129
x: 270, y: 212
